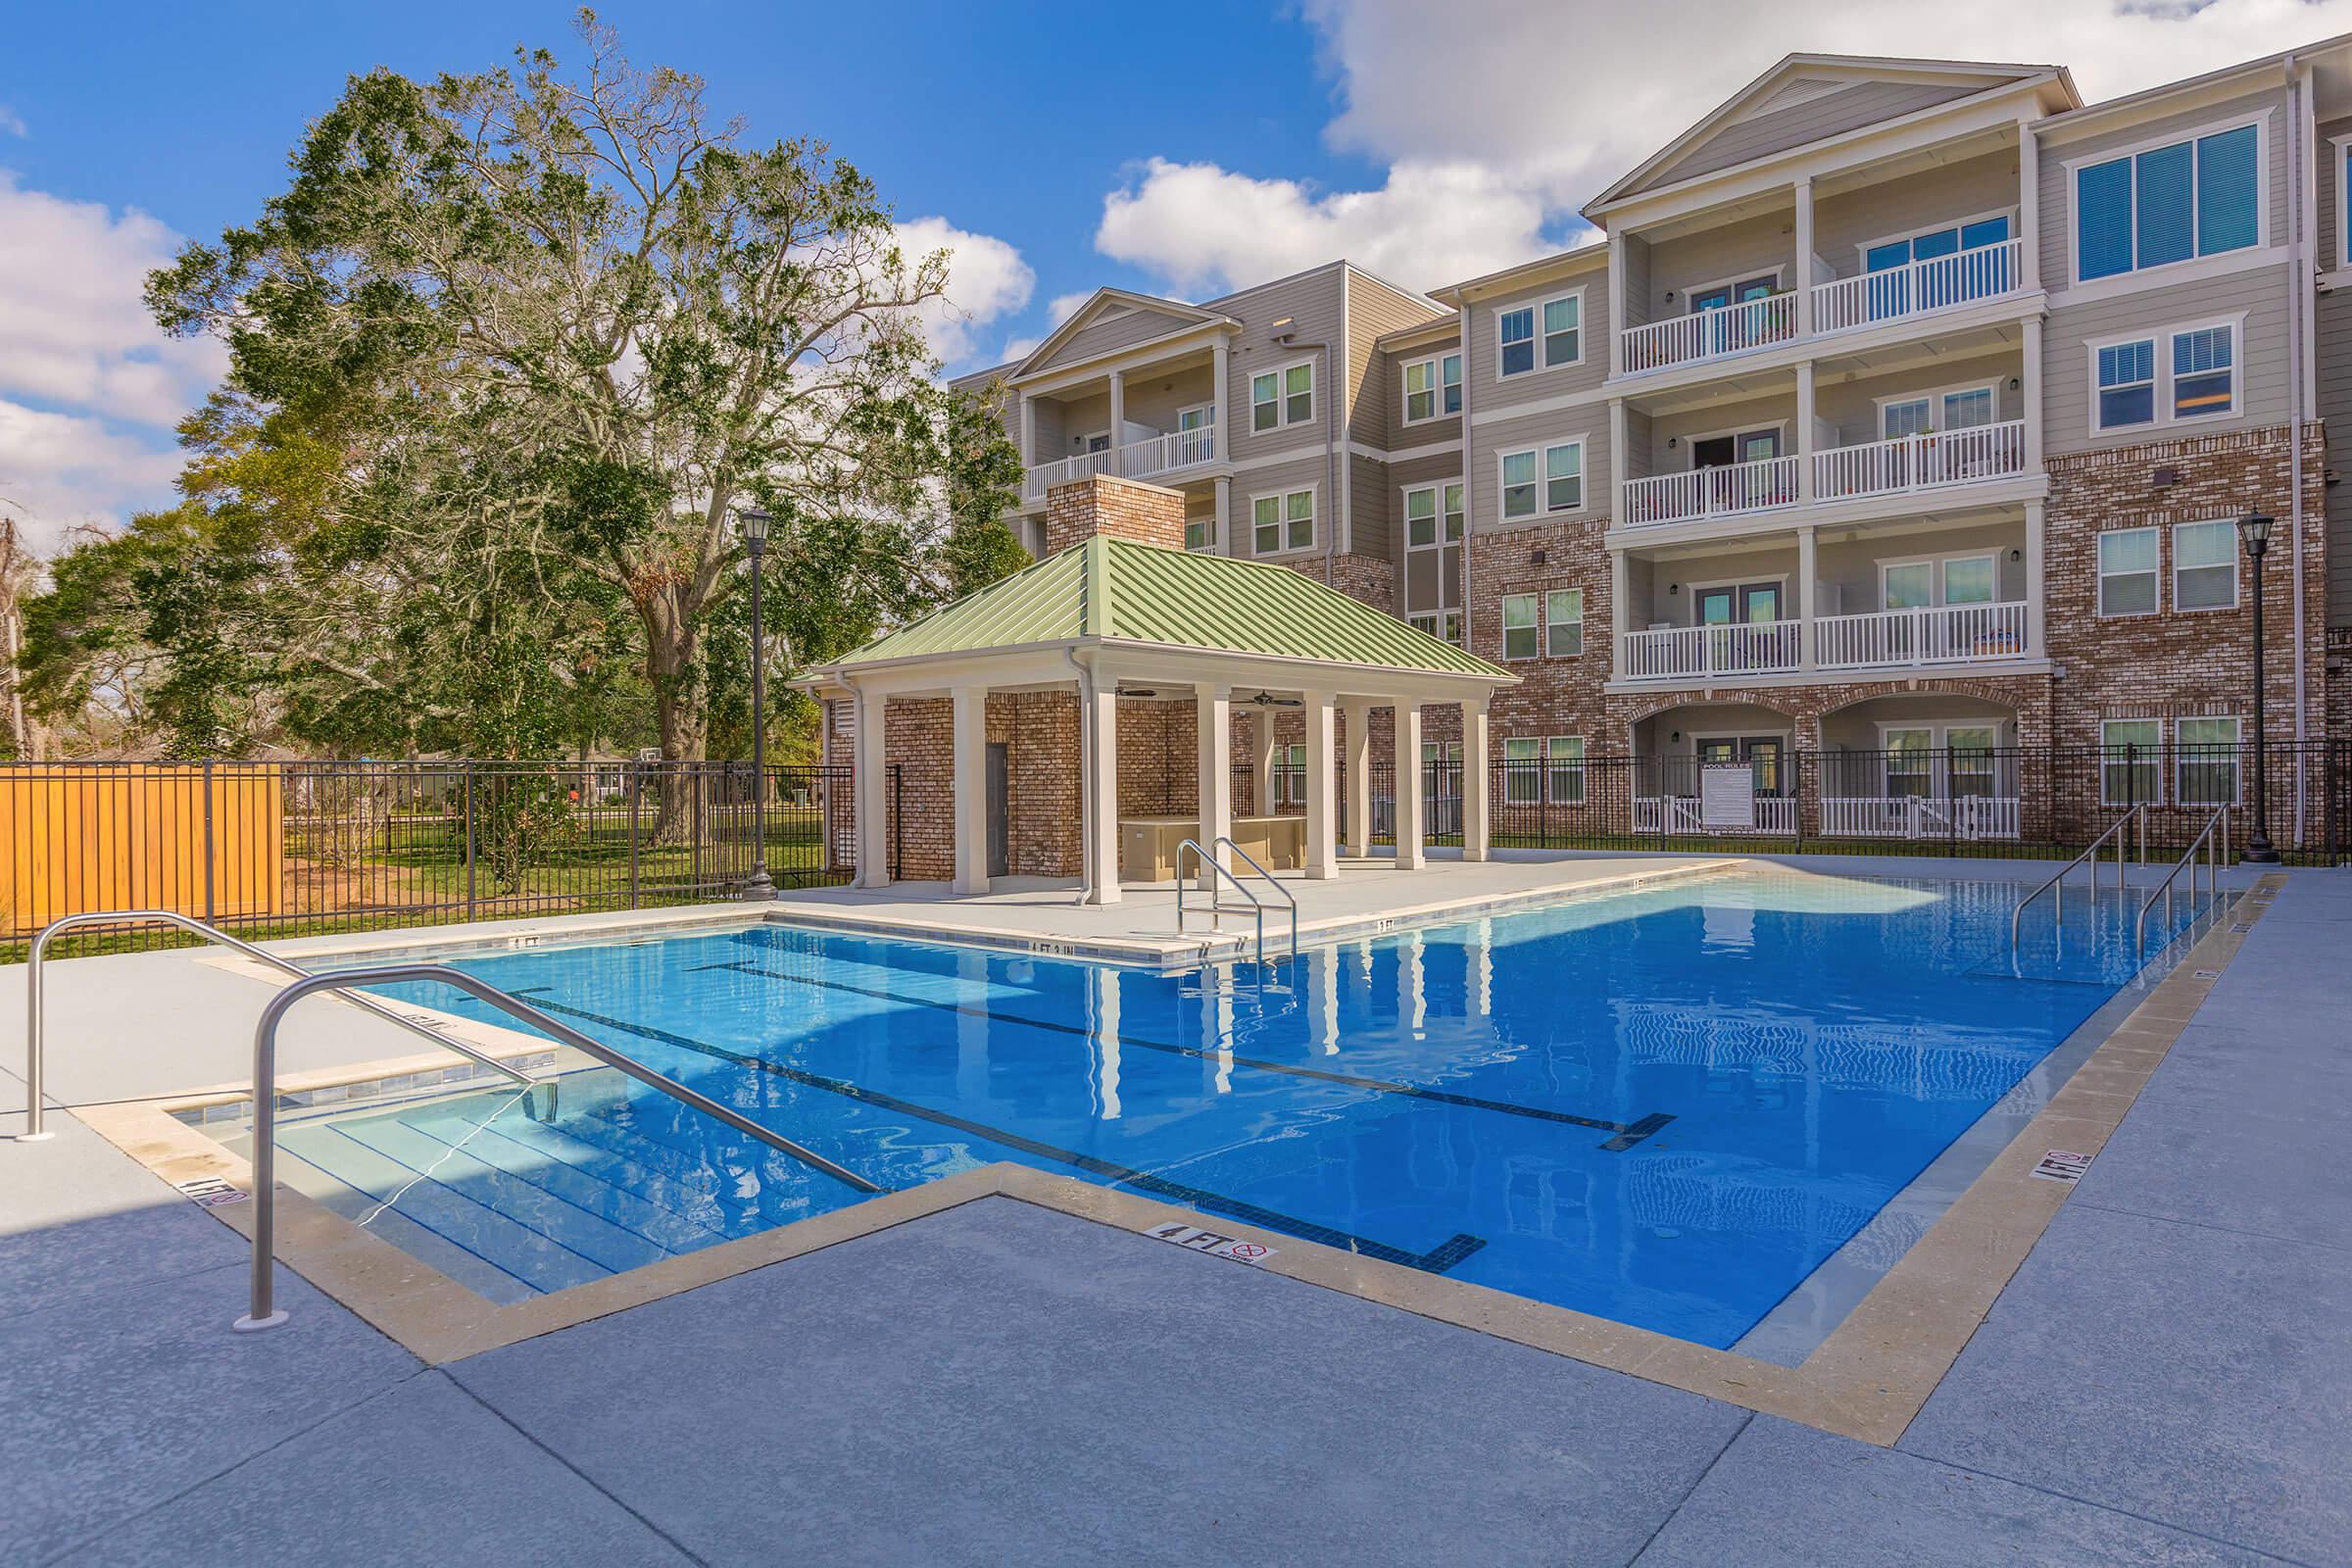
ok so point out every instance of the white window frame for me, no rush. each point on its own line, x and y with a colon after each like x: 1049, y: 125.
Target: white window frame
x: 2173, y: 542
x: 1934, y: 396
x: 1694, y: 591
x: 1282, y: 397
x: 1208, y: 411
x: 1550, y: 652
x: 1542, y: 452
x: 1939, y: 747
x: 1435, y: 364
x: 1446, y: 625
x: 1208, y: 524
x: 1515, y: 769
x: 2074, y: 168
x: 1779, y: 284
x: 2165, y: 415
x: 2236, y: 762
x: 1543, y: 359
x: 2109, y: 766
x: 1438, y: 537
x: 2343, y: 146
x: 1534, y: 628
x: 1282, y: 501
x: 1535, y: 341
x: 1555, y: 767
x: 1862, y: 251
x: 1081, y: 439
x: 2099, y: 575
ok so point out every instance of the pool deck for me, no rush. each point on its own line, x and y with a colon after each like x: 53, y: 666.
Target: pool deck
x: 2168, y: 1377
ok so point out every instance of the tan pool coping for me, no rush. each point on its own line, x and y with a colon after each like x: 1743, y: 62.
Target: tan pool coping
x: 1867, y: 1380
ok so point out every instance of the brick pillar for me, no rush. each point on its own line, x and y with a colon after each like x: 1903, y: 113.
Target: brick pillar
x: 1123, y: 509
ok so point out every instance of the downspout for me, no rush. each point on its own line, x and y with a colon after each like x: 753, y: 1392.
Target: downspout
x: 2298, y: 312
x: 1086, y: 771
x: 1331, y: 477
x: 1469, y: 501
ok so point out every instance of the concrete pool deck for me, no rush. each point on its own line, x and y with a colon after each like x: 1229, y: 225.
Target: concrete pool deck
x: 2165, y: 1379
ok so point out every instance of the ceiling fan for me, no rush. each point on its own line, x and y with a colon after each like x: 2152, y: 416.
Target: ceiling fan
x: 1269, y: 699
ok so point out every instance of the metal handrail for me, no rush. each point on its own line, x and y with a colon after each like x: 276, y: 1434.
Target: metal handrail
x: 2216, y: 845
x: 33, y: 1053
x: 1215, y: 908
x: 1287, y: 897
x: 2056, y: 885
x: 264, y: 1313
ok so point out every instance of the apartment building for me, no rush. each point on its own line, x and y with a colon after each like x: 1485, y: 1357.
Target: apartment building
x: 1903, y: 408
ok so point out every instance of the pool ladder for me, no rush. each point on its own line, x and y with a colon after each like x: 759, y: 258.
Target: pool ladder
x: 263, y: 1312
x: 1223, y: 875
x: 2214, y: 839
x: 2056, y: 885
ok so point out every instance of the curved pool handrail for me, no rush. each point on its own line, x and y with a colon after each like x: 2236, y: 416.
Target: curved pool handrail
x: 1287, y: 897
x: 2214, y: 839
x: 1256, y: 904
x: 263, y: 1312
x: 2058, y: 882
x: 34, y: 1053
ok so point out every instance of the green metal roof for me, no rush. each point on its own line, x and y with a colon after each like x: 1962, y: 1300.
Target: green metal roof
x: 1120, y: 591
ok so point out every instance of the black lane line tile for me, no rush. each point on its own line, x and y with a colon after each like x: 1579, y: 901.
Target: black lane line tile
x: 1437, y: 1261
x: 1628, y: 1133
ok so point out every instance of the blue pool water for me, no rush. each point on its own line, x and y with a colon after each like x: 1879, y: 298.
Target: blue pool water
x: 1666, y: 1106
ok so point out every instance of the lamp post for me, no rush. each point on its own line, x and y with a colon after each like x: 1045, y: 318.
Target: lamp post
x: 2254, y: 532
x: 752, y: 522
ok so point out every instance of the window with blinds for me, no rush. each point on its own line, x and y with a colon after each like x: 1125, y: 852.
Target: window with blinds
x: 2196, y: 197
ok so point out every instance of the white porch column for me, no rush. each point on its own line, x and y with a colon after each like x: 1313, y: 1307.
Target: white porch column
x: 1359, y: 778
x: 2029, y: 376
x: 1028, y: 431
x: 1220, y: 364
x: 2028, y: 207
x: 2037, y: 635
x: 1804, y: 428
x: 873, y: 796
x: 1618, y: 320
x: 1804, y: 281
x: 1808, y: 591
x: 1322, y: 739
x: 1475, y: 799
x: 970, y: 752
x: 1262, y: 761
x: 1224, y: 485
x: 1118, y: 419
x: 1215, y: 708
x: 1621, y: 617
x: 1099, y: 789
x: 1407, y: 773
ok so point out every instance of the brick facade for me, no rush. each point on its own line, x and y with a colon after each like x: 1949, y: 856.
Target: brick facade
x: 1124, y: 508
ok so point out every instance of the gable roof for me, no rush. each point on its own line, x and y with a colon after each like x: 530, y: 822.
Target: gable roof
x: 1103, y: 301
x: 1827, y: 94
x: 1107, y: 590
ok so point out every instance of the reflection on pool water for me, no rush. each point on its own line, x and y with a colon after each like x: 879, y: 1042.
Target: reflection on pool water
x: 1667, y: 1106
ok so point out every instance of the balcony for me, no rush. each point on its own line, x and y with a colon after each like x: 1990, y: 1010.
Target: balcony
x: 1168, y: 453
x: 1841, y: 305
x: 1939, y: 634
x: 1687, y: 653
x: 1935, y: 461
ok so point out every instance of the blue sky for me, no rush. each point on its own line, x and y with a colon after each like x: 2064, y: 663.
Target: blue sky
x: 1184, y: 150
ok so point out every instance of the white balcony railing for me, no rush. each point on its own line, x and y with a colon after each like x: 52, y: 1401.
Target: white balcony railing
x: 1732, y: 490
x: 1709, y: 334
x: 1919, y: 816
x: 1136, y: 459
x: 1939, y: 634
x: 1963, y: 278
x: 1921, y: 461
x: 1681, y: 813
x: 1679, y: 653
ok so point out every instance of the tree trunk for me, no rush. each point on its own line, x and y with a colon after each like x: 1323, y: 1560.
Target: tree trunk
x: 683, y: 723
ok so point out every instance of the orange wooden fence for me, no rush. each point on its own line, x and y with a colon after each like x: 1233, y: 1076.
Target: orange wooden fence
x: 137, y: 836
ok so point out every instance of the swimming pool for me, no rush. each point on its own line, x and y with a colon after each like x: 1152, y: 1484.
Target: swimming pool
x: 1668, y: 1107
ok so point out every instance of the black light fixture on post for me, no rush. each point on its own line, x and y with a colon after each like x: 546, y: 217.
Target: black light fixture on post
x: 2254, y: 532
x: 753, y: 522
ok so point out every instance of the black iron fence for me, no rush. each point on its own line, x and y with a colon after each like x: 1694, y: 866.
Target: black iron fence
x: 297, y: 848
x: 2045, y: 803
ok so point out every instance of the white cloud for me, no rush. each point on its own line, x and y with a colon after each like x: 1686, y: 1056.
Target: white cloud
x: 1206, y: 229
x: 12, y: 124
x: 89, y: 386
x: 1020, y: 348
x: 1064, y: 306
x: 987, y: 280
x: 1496, y: 118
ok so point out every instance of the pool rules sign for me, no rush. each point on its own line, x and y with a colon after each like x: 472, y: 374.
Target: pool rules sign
x: 1196, y: 1240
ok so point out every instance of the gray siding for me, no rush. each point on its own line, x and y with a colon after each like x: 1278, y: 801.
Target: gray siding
x: 2259, y: 293
x: 1278, y: 478
x: 1831, y: 115
x: 2334, y: 407
x: 2057, y: 193
x: 1589, y: 422
x: 1388, y: 368
x: 1489, y: 394
x: 1427, y: 579
x: 1374, y: 394
x: 1312, y: 302
x: 1850, y: 408
x: 1850, y: 220
x: 1746, y: 249
x: 1368, y: 506
x: 1136, y: 326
